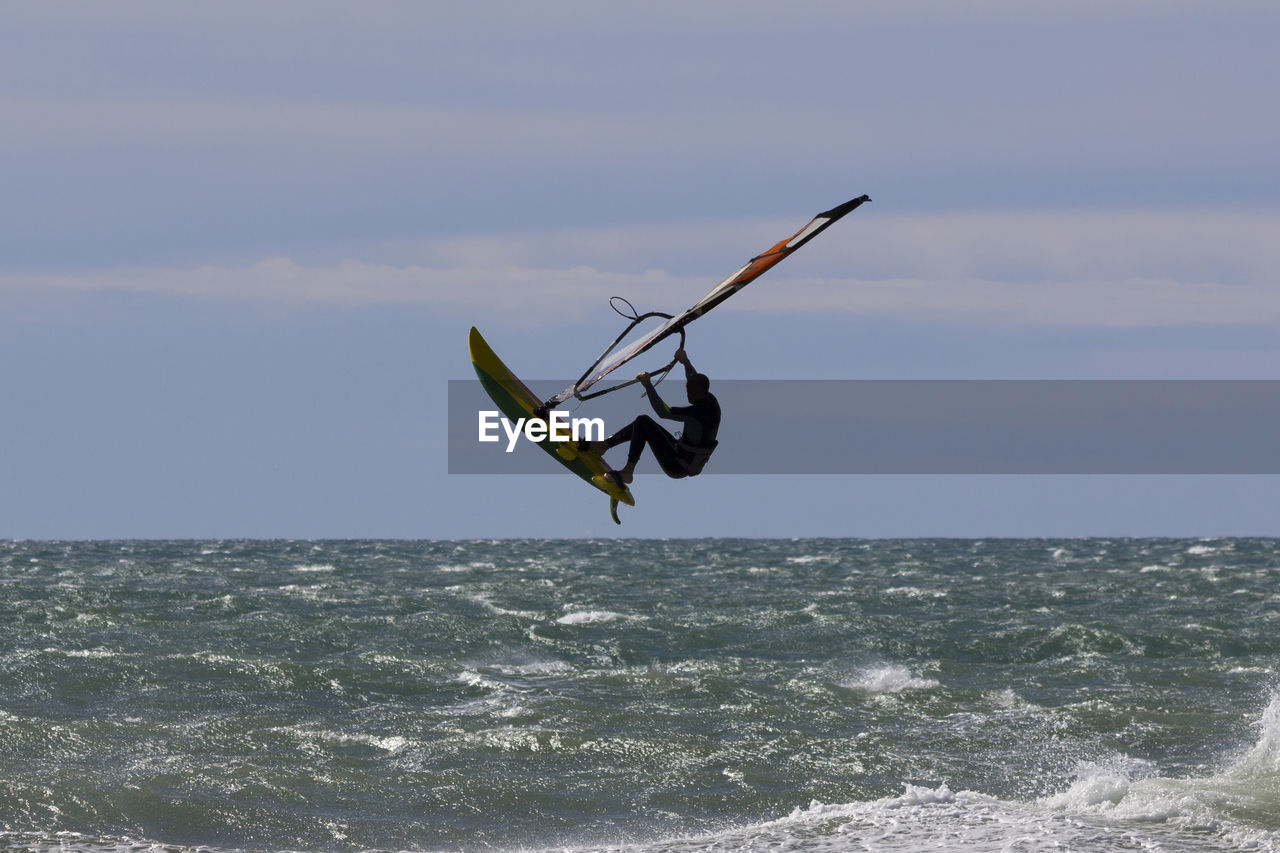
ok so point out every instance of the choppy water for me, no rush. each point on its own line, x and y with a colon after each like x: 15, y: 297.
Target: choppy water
x: 652, y: 696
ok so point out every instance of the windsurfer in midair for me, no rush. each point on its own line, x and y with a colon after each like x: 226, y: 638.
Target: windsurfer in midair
x: 679, y: 457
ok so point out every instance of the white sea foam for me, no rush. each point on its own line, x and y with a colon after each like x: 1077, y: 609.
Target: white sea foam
x: 919, y: 795
x: 916, y: 592
x: 536, y: 667
x: 471, y: 678
x: 1117, y: 804
x: 1264, y: 758
x: 98, y: 653
x: 927, y: 817
x: 889, y: 679
x: 513, y: 739
x: 316, y: 739
x: 1007, y: 699
x: 805, y: 559
x: 922, y: 817
x: 588, y: 617
x: 1098, y: 785
x: 485, y: 601
x: 1227, y: 803
x: 390, y: 744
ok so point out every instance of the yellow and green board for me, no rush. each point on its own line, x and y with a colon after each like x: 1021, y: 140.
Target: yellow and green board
x: 516, y: 401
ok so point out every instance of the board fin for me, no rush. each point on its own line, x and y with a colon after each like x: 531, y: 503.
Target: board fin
x: 611, y: 487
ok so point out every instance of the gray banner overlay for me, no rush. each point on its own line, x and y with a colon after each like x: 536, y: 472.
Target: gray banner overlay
x: 930, y: 427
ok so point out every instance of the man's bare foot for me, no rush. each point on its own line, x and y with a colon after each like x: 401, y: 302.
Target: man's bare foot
x: 593, y: 446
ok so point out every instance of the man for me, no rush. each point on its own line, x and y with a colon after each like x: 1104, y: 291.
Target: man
x: 679, y: 457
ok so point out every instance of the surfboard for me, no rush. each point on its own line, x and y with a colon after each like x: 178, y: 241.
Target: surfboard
x: 514, y: 399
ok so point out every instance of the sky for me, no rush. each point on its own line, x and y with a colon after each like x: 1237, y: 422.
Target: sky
x: 242, y: 244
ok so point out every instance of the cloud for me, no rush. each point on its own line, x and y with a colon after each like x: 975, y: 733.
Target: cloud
x: 511, y: 293
x: 1030, y: 246
x: 1102, y: 269
x: 162, y: 131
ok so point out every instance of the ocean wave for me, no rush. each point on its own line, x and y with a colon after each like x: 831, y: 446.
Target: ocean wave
x: 1241, y: 803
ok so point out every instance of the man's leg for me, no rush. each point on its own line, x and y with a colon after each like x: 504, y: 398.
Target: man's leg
x: 644, y: 430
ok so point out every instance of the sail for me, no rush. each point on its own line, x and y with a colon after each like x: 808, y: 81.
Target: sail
x: 752, y: 270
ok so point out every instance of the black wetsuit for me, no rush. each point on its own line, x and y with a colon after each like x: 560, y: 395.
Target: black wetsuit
x: 679, y: 457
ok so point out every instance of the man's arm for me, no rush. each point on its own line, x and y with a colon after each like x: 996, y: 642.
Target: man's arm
x: 660, y: 408
x: 683, y: 358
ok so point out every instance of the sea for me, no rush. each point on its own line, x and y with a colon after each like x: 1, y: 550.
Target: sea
x: 640, y: 695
